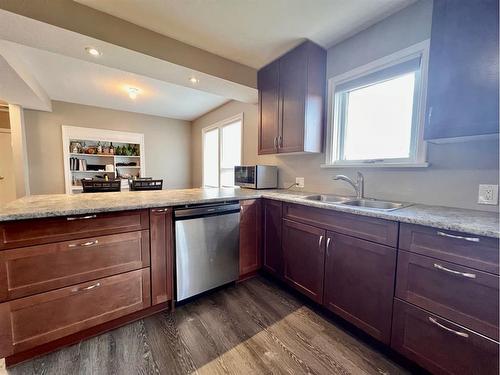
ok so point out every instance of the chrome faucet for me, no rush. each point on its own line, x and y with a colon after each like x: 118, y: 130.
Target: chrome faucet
x: 358, y: 185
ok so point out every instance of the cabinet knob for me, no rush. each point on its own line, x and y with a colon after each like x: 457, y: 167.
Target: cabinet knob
x: 2, y: 178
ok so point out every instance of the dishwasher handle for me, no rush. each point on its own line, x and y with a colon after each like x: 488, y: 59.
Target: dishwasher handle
x: 222, y: 209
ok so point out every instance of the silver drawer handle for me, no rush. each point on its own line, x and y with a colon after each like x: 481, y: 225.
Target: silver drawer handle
x: 160, y: 210
x: 90, y: 287
x: 81, y: 217
x: 84, y: 244
x: 328, y: 245
x: 320, y: 241
x: 458, y: 333
x: 470, y: 239
x: 464, y: 274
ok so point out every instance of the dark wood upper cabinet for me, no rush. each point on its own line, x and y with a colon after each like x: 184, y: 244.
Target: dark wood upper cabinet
x: 268, y: 83
x: 359, y: 283
x: 462, y: 90
x: 304, y: 256
x: 250, y: 236
x: 273, y: 255
x: 162, y: 259
x: 291, y: 101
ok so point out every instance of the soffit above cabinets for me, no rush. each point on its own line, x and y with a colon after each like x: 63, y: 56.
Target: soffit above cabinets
x: 61, y: 69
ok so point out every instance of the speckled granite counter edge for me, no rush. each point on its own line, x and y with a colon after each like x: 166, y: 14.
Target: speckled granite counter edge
x: 483, y: 224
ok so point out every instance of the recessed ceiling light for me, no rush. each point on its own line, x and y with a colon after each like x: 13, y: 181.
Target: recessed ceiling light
x: 133, y: 92
x: 194, y: 80
x: 93, y: 51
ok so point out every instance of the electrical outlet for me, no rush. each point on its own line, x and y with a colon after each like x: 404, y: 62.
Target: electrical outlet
x: 299, y: 181
x: 488, y: 194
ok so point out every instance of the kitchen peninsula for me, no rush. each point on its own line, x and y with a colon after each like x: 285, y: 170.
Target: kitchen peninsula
x: 93, y: 262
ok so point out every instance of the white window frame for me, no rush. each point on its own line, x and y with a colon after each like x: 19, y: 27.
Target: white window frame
x: 219, y: 125
x: 418, y: 145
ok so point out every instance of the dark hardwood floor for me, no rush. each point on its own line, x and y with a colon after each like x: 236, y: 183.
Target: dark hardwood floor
x: 251, y: 328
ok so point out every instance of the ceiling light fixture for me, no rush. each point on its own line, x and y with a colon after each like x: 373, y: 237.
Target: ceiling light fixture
x: 93, y: 51
x: 194, y: 80
x: 133, y: 92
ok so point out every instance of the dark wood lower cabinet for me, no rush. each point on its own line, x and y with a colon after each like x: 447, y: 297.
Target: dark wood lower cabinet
x: 45, y: 317
x: 439, y: 345
x: 304, y: 256
x: 162, y: 246
x: 464, y: 295
x: 359, y: 283
x: 250, y: 237
x: 40, y: 268
x: 273, y: 255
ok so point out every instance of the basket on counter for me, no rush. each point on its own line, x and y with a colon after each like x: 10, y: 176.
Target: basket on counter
x: 145, y: 184
x: 96, y: 186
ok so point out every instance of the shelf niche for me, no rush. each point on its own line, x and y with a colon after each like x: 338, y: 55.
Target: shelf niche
x: 91, y: 137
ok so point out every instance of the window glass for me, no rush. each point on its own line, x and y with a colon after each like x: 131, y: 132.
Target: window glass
x: 378, y: 120
x: 211, y: 158
x: 220, y: 173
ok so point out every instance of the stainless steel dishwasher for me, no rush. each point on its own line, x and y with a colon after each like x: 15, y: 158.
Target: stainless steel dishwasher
x: 207, y: 241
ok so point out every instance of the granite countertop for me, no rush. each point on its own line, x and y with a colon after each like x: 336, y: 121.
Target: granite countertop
x: 38, y: 206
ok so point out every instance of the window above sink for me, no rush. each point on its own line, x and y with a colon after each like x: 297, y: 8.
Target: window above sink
x: 376, y: 112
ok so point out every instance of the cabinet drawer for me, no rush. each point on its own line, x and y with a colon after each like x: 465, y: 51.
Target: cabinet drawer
x: 371, y: 229
x: 39, y: 231
x: 439, y: 345
x: 49, y: 316
x: 463, y: 295
x: 40, y: 268
x: 461, y: 248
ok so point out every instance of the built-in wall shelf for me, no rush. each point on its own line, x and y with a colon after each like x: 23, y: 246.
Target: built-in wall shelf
x: 90, y: 146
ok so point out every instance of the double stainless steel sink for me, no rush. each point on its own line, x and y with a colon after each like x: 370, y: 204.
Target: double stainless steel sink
x: 372, y: 204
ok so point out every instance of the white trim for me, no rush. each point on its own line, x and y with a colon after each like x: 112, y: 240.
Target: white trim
x: 103, y: 135
x: 419, y: 49
x: 220, y: 124
x: 375, y: 165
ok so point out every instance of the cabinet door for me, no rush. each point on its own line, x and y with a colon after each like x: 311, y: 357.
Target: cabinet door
x: 250, y: 236
x: 162, y: 243
x: 268, y: 85
x: 462, y: 95
x: 359, y: 283
x: 304, y: 255
x: 273, y: 256
x: 293, y: 87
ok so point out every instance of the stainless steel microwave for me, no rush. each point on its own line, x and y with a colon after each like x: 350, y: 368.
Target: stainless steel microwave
x: 256, y: 176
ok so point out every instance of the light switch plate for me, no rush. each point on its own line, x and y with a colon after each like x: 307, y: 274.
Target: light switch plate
x: 299, y: 181
x: 488, y: 194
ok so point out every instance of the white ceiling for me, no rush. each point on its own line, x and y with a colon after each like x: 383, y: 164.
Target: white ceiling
x: 251, y: 32
x: 77, y: 81
x: 53, y: 64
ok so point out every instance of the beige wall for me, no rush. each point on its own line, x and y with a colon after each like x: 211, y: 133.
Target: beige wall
x: 451, y: 180
x: 167, y: 143
x: 456, y: 169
